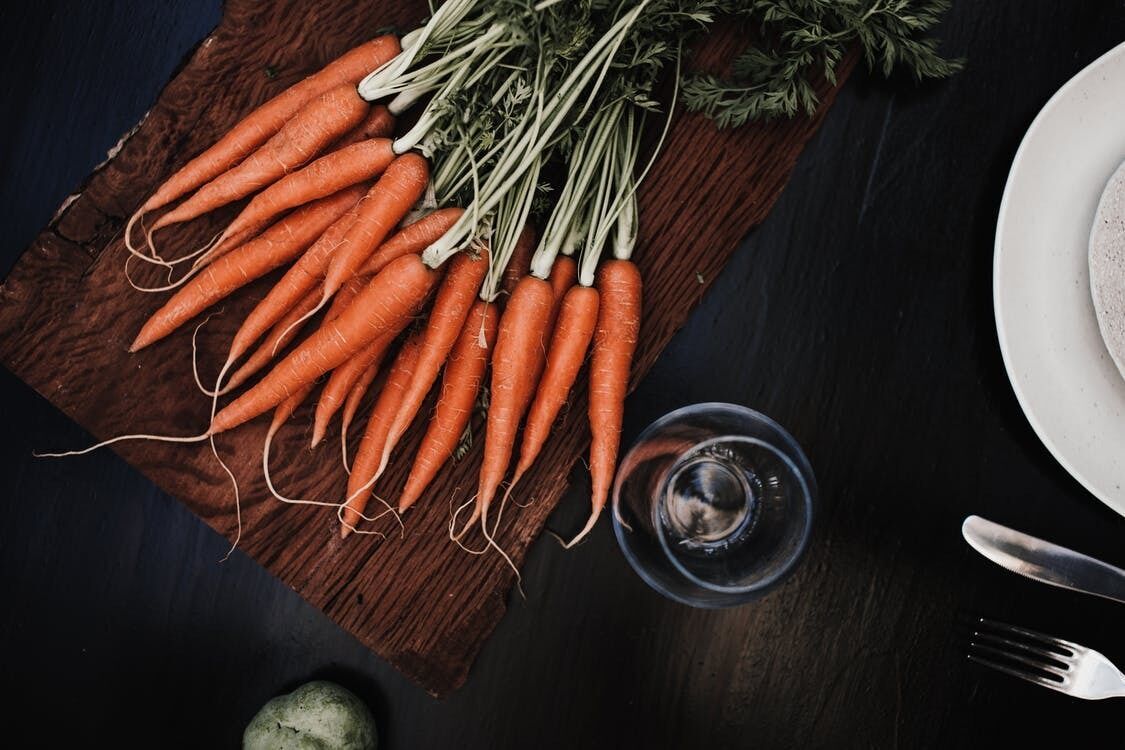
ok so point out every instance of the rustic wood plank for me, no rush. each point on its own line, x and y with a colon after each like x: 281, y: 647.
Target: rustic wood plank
x: 67, y: 315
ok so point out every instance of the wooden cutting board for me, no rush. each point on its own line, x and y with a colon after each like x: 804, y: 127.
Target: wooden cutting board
x: 67, y: 316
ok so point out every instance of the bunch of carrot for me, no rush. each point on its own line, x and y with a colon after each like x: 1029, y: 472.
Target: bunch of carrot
x: 374, y: 231
x: 351, y: 214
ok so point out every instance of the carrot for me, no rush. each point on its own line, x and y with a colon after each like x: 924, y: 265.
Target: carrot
x: 569, y: 344
x: 308, y: 271
x: 447, y: 317
x: 299, y: 280
x: 395, y: 293
x: 281, y: 415
x: 520, y: 262
x: 277, y: 245
x: 262, y: 123
x: 286, y: 408
x: 347, y: 166
x: 344, y: 377
x: 278, y: 338
x: 314, y: 126
x: 459, y: 388
x: 285, y: 329
x: 283, y: 332
x: 615, y: 339
x: 355, y: 396
x: 413, y: 238
x: 564, y: 273
x: 518, y: 345
x: 379, y: 123
x: 371, y: 447
x: 381, y: 209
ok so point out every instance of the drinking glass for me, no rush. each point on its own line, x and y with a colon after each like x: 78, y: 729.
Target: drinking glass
x: 713, y: 504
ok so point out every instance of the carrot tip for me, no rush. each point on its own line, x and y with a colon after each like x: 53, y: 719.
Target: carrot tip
x: 464, y: 529
x: 585, y: 529
x: 344, y: 531
x: 140, y: 342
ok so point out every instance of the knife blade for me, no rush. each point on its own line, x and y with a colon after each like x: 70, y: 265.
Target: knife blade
x: 1043, y: 561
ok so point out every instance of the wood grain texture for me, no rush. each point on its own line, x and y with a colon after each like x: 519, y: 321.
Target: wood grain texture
x: 67, y: 316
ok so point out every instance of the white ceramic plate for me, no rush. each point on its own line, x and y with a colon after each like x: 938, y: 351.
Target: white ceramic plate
x: 1060, y: 369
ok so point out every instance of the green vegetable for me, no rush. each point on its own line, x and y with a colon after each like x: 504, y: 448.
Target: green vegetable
x: 316, y: 716
x: 798, y: 39
x: 539, y: 107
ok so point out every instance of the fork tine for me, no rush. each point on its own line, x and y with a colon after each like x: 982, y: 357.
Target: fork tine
x: 1017, y: 673
x: 1062, y: 662
x: 1039, y: 664
x: 1050, y: 640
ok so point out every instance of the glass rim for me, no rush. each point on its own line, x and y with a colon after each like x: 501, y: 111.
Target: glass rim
x: 738, y: 594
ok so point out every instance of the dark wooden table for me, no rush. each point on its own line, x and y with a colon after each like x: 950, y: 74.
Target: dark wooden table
x: 859, y: 316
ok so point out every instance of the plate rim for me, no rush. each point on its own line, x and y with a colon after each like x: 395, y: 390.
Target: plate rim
x: 1040, y: 431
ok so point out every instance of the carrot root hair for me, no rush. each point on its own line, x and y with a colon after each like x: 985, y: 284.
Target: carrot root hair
x: 491, y: 539
x: 266, y: 447
x: 122, y: 438
x: 195, y: 362
x: 138, y: 216
x: 170, y: 265
x: 346, y: 527
x: 456, y: 538
x: 237, y: 498
x: 297, y: 323
x: 590, y: 523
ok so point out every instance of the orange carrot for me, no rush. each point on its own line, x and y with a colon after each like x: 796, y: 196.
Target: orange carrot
x: 261, y: 124
x: 518, y: 345
x: 379, y: 123
x: 283, y: 331
x: 459, y: 388
x: 520, y: 262
x: 345, y: 296
x: 413, y: 238
x: 312, y: 128
x: 564, y: 273
x: 371, y: 447
x: 569, y: 344
x: 277, y: 245
x: 298, y: 281
x: 281, y: 415
x: 447, y: 317
x: 335, y: 171
x: 382, y: 208
x: 306, y: 272
x: 355, y: 396
x: 286, y: 408
x: 344, y: 377
x: 615, y: 339
x: 395, y: 293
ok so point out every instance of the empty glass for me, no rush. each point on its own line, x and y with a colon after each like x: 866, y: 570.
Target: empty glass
x: 713, y: 504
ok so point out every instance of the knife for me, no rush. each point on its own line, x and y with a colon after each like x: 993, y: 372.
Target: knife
x: 1043, y: 561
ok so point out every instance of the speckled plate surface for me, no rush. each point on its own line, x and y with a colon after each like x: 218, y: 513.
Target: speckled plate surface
x: 1059, y: 365
x: 1107, y: 266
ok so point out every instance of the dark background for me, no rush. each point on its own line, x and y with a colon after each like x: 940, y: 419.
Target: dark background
x: 859, y: 316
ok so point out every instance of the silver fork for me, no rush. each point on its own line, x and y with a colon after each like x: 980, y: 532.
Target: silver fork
x: 1045, y: 660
